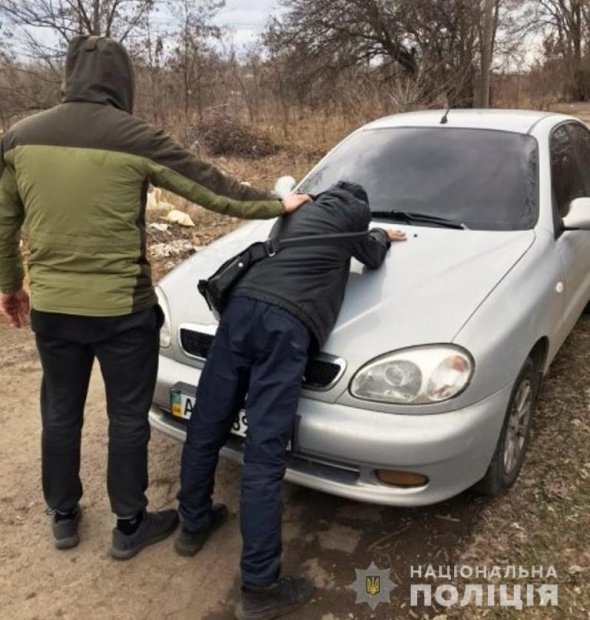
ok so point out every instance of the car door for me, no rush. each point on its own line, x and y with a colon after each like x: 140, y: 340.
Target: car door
x: 570, y: 176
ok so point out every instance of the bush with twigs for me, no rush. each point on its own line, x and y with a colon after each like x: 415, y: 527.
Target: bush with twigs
x: 223, y: 135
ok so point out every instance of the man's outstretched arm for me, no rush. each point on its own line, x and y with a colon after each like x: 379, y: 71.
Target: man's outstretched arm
x: 371, y: 251
x: 176, y: 169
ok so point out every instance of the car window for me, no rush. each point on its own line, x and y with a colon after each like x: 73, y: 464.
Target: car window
x: 581, y: 138
x: 486, y: 179
x: 565, y: 172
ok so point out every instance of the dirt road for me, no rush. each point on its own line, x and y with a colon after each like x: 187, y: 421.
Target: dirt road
x: 543, y: 521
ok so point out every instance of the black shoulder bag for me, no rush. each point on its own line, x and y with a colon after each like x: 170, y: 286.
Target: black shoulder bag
x: 217, y: 288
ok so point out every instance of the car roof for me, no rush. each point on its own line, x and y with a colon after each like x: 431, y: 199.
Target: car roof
x: 519, y: 121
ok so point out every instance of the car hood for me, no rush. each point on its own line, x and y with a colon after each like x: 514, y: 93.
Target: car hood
x: 427, y: 289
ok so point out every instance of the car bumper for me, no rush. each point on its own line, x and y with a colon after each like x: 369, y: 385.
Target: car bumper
x: 338, y: 449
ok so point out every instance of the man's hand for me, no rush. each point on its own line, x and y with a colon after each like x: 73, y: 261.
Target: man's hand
x: 15, y: 307
x: 396, y: 235
x: 292, y: 202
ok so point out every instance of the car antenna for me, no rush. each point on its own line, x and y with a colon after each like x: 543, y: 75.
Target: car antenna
x: 445, y: 118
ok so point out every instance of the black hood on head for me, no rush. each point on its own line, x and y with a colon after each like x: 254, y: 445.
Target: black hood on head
x: 354, y: 189
x: 98, y: 70
x: 358, y: 191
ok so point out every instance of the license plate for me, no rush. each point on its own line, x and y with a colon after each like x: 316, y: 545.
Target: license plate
x: 182, y: 406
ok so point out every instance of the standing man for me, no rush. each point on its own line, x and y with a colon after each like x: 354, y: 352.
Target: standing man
x: 280, y: 307
x: 75, y: 177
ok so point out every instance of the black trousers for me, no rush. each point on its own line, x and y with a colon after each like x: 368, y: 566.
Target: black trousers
x: 127, y: 350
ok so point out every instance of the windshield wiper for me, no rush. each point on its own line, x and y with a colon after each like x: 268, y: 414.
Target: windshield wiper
x: 412, y: 216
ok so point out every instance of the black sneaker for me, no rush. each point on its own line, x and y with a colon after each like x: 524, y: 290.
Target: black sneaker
x: 190, y: 543
x: 154, y: 527
x: 285, y: 596
x: 65, y: 528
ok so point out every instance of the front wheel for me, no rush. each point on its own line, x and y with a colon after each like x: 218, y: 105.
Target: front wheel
x: 515, y: 435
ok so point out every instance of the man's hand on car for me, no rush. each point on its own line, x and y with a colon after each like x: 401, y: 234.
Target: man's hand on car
x: 396, y: 235
x: 15, y: 307
x: 292, y: 202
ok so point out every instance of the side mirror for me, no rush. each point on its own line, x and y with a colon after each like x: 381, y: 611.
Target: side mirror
x: 578, y: 216
x: 284, y: 186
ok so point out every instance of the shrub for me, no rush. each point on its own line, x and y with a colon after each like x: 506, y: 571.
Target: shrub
x: 223, y: 135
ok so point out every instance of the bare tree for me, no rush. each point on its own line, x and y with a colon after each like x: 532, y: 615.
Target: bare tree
x: 437, y: 43
x: 345, y: 32
x: 565, y: 25
x: 65, y: 18
x: 35, y: 35
x: 192, y: 48
x: 490, y: 8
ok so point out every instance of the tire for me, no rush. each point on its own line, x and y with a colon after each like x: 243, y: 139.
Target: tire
x: 515, y: 435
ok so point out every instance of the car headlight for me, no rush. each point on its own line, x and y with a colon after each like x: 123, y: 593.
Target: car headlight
x: 419, y: 375
x: 165, y: 333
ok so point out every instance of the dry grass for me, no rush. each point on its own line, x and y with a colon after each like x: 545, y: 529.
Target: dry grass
x: 316, y: 131
x: 545, y: 519
x: 581, y: 110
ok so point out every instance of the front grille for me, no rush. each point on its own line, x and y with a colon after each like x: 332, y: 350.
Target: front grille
x: 195, y: 344
x: 321, y: 373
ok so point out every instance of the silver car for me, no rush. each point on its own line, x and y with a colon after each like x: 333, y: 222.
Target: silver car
x: 427, y: 384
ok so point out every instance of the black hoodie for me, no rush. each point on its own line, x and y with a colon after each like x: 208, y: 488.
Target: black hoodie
x: 310, y: 281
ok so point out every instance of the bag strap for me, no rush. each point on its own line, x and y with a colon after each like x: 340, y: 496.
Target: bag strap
x: 275, y: 244
x: 270, y: 247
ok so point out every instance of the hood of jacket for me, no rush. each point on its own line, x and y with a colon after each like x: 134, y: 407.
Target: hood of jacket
x: 98, y: 70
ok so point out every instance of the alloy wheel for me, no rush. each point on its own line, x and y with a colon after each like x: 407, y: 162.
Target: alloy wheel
x: 518, y: 424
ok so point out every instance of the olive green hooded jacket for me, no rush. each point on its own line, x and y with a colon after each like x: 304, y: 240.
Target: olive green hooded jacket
x: 75, y: 178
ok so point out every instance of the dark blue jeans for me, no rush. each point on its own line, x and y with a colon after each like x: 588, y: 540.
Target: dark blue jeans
x: 259, y: 354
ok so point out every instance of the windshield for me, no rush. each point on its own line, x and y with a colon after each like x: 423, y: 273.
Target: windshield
x: 484, y: 179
